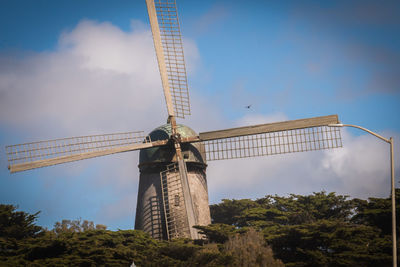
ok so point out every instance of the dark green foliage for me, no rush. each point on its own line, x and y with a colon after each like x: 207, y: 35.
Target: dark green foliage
x: 377, y: 212
x: 17, y: 224
x: 52, y: 250
x: 227, y: 211
x: 73, y: 243
x: 217, y: 233
x: 95, y: 248
x: 294, y: 209
x: 315, y: 230
x: 329, y: 243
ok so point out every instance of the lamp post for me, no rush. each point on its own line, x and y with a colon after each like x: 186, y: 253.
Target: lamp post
x: 390, y: 141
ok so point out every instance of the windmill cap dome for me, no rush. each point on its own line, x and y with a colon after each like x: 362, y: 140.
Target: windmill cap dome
x: 192, y: 152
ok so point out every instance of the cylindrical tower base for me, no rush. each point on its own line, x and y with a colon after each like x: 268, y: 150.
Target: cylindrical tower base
x: 150, y: 216
x: 170, y: 219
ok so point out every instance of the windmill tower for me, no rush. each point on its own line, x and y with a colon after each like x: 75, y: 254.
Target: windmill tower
x: 172, y: 195
x: 163, y: 198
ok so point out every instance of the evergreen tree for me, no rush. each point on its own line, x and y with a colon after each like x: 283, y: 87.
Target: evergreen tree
x: 315, y: 230
x: 321, y: 229
x: 17, y: 224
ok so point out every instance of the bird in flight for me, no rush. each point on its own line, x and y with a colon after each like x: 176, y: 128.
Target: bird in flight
x: 248, y: 107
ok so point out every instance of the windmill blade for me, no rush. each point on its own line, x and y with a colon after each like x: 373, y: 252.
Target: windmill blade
x: 51, y: 152
x: 272, y: 138
x: 177, y: 202
x: 169, y: 50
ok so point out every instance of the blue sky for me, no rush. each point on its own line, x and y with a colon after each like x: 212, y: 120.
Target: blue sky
x: 71, y: 68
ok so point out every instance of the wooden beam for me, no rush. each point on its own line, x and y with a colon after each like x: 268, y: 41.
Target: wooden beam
x: 192, y: 219
x: 155, y: 29
x: 269, y: 127
x: 64, y: 159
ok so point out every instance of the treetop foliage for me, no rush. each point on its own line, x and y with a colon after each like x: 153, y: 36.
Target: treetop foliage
x: 294, y: 209
x: 80, y: 243
x: 17, y: 224
x: 321, y: 229
x: 76, y: 226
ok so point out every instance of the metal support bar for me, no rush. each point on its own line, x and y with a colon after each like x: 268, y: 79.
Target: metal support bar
x: 393, y: 191
x: 393, y: 204
x: 362, y: 128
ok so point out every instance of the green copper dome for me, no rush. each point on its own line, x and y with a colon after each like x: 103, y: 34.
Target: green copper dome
x: 166, y: 154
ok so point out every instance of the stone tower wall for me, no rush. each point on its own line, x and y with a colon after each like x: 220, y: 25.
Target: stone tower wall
x: 149, y: 211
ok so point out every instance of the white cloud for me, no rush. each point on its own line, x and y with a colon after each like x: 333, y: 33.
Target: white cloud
x: 192, y: 55
x: 100, y: 79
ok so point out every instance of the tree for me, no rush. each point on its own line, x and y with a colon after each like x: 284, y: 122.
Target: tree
x: 17, y: 224
x: 329, y: 243
x: 228, y: 211
x: 290, y: 210
x: 217, y: 233
x: 76, y: 226
x: 321, y: 229
x: 377, y: 212
x: 249, y: 249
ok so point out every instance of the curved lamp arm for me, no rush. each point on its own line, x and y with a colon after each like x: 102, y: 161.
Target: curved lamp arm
x: 393, y: 193
x: 362, y: 128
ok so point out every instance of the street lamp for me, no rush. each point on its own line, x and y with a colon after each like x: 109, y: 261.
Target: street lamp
x: 390, y: 141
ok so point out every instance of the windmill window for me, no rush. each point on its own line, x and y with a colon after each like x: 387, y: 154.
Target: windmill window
x: 177, y: 200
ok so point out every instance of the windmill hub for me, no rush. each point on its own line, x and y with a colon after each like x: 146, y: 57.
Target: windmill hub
x: 193, y: 153
x: 176, y: 137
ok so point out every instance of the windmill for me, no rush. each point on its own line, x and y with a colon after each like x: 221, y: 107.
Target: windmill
x: 173, y: 195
